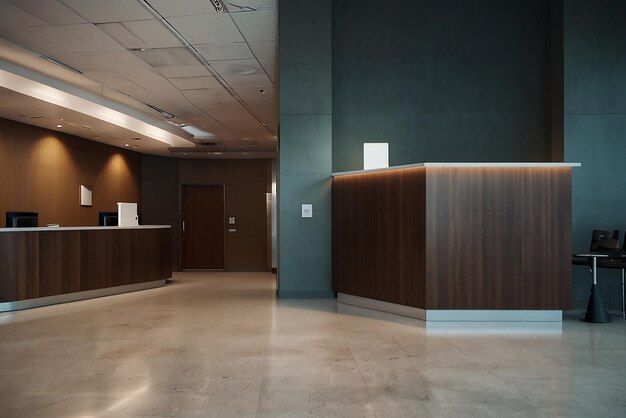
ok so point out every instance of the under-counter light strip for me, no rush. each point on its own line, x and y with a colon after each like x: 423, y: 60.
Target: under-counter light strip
x: 400, y: 167
x: 40, y: 91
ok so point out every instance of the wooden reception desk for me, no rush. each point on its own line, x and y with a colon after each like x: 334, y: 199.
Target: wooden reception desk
x: 455, y: 241
x: 43, y: 266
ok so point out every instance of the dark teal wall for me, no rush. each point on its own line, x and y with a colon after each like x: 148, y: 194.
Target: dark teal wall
x: 441, y: 80
x: 594, y: 51
x: 304, y: 170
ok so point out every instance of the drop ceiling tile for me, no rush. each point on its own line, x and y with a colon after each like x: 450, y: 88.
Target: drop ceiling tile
x: 232, y: 51
x: 253, y: 80
x: 165, y: 57
x: 171, y: 71
x: 153, y: 33
x: 170, y: 8
x: 57, y: 35
x: 215, y: 28
x: 257, y: 26
x: 194, y: 83
x: 237, y: 67
x: 122, y: 35
x: 77, y: 61
x: 245, y: 7
x: 50, y: 11
x: 263, y: 49
x: 89, y: 34
x: 123, y: 62
x: 99, y: 11
x: 25, y: 38
x: 269, y: 65
x: 207, y: 97
x: 14, y: 17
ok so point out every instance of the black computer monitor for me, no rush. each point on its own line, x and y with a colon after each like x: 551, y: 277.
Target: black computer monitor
x: 22, y: 220
x: 107, y: 219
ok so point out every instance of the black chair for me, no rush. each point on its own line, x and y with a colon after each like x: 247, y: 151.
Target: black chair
x: 618, y: 263
x: 600, y: 241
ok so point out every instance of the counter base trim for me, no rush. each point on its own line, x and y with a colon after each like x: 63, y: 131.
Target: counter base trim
x: 453, y: 315
x: 72, y: 297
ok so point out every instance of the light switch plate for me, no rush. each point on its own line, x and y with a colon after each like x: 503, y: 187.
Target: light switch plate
x: 307, y: 210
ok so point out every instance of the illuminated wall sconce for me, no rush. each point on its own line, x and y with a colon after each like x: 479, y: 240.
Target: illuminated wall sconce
x: 85, y: 195
x: 375, y: 155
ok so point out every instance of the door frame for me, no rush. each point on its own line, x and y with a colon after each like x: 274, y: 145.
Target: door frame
x: 180, y: 223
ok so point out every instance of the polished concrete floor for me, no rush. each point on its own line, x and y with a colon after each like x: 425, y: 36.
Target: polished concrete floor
x: 220, y: 345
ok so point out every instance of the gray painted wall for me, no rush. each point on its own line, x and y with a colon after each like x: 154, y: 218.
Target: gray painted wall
x: 595, y: 128
x: 304, y: 265
x: 453, y: 80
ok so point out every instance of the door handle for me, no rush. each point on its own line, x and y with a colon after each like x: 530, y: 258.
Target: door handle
x: 183, y: 226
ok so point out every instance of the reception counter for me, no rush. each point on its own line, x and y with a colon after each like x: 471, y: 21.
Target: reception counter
x: 455, y: 241
x: 43, y: 266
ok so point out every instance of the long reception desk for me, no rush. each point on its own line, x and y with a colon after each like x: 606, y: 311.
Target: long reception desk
x: 455, y: 241
x: 44, y: 266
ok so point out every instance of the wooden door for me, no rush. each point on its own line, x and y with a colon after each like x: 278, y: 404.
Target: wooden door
x: 202, y: 209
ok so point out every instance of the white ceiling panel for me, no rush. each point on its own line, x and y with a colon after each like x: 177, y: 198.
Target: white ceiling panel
x: 123, y: 35
x: 206, y: 97
x: 167, y: 57
x: 254, y: 80
x: 89, y: 34
x: 153, y: 33
x: 194, y: 83
x: 123, y: 62
x: 232, y: 51
x: 263, y: 49
x: 249, y: 5
x: 14, y: 17
x: 62, y: 38
x: 182, y: 7
x: 78, y: 61
x: 269, y: 65
x: 171, y: 71
x: 50, y: 11
x: 238, y: 67
x: 101, y: 11
x: 25, y: 38
x: 207, y: 28
x: 257, y: 26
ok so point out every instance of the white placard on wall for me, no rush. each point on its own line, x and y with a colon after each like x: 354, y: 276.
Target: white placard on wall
x: 85, y: 195
x: 375, y: 155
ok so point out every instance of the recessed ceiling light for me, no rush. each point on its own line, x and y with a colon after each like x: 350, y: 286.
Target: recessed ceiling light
x: 59, y: 126
x: 127, y: 145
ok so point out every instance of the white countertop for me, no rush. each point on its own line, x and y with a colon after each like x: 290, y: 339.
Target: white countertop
x: 399, y: 167
x: 81, y: 228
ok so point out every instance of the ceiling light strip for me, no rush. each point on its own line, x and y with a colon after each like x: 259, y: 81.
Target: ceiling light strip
x: 58, y: 97
x: 207, y: 65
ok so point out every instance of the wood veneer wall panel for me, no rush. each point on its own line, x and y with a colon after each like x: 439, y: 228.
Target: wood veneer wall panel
x: 498, y: 238
x: 547, y: 242
x: 59, y: 260
x: 378, y: 233
x: 101, y: 259
x: 40, y: 171
x: 474, y: 237
x: 8, y: 267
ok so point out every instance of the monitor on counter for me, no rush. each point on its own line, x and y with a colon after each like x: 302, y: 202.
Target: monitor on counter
x: 107, y: 219
x: 22, y: 220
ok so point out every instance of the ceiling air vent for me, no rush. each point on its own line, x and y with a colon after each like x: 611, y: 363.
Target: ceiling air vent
x: 219, y: 8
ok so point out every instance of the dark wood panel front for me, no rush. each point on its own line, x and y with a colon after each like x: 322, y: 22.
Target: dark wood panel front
x: 59, y: 263
x: 455, y: 237
x: 547, y: 246
x: 474, y: 238
x: 378, y: 236
x: 48, y: 263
